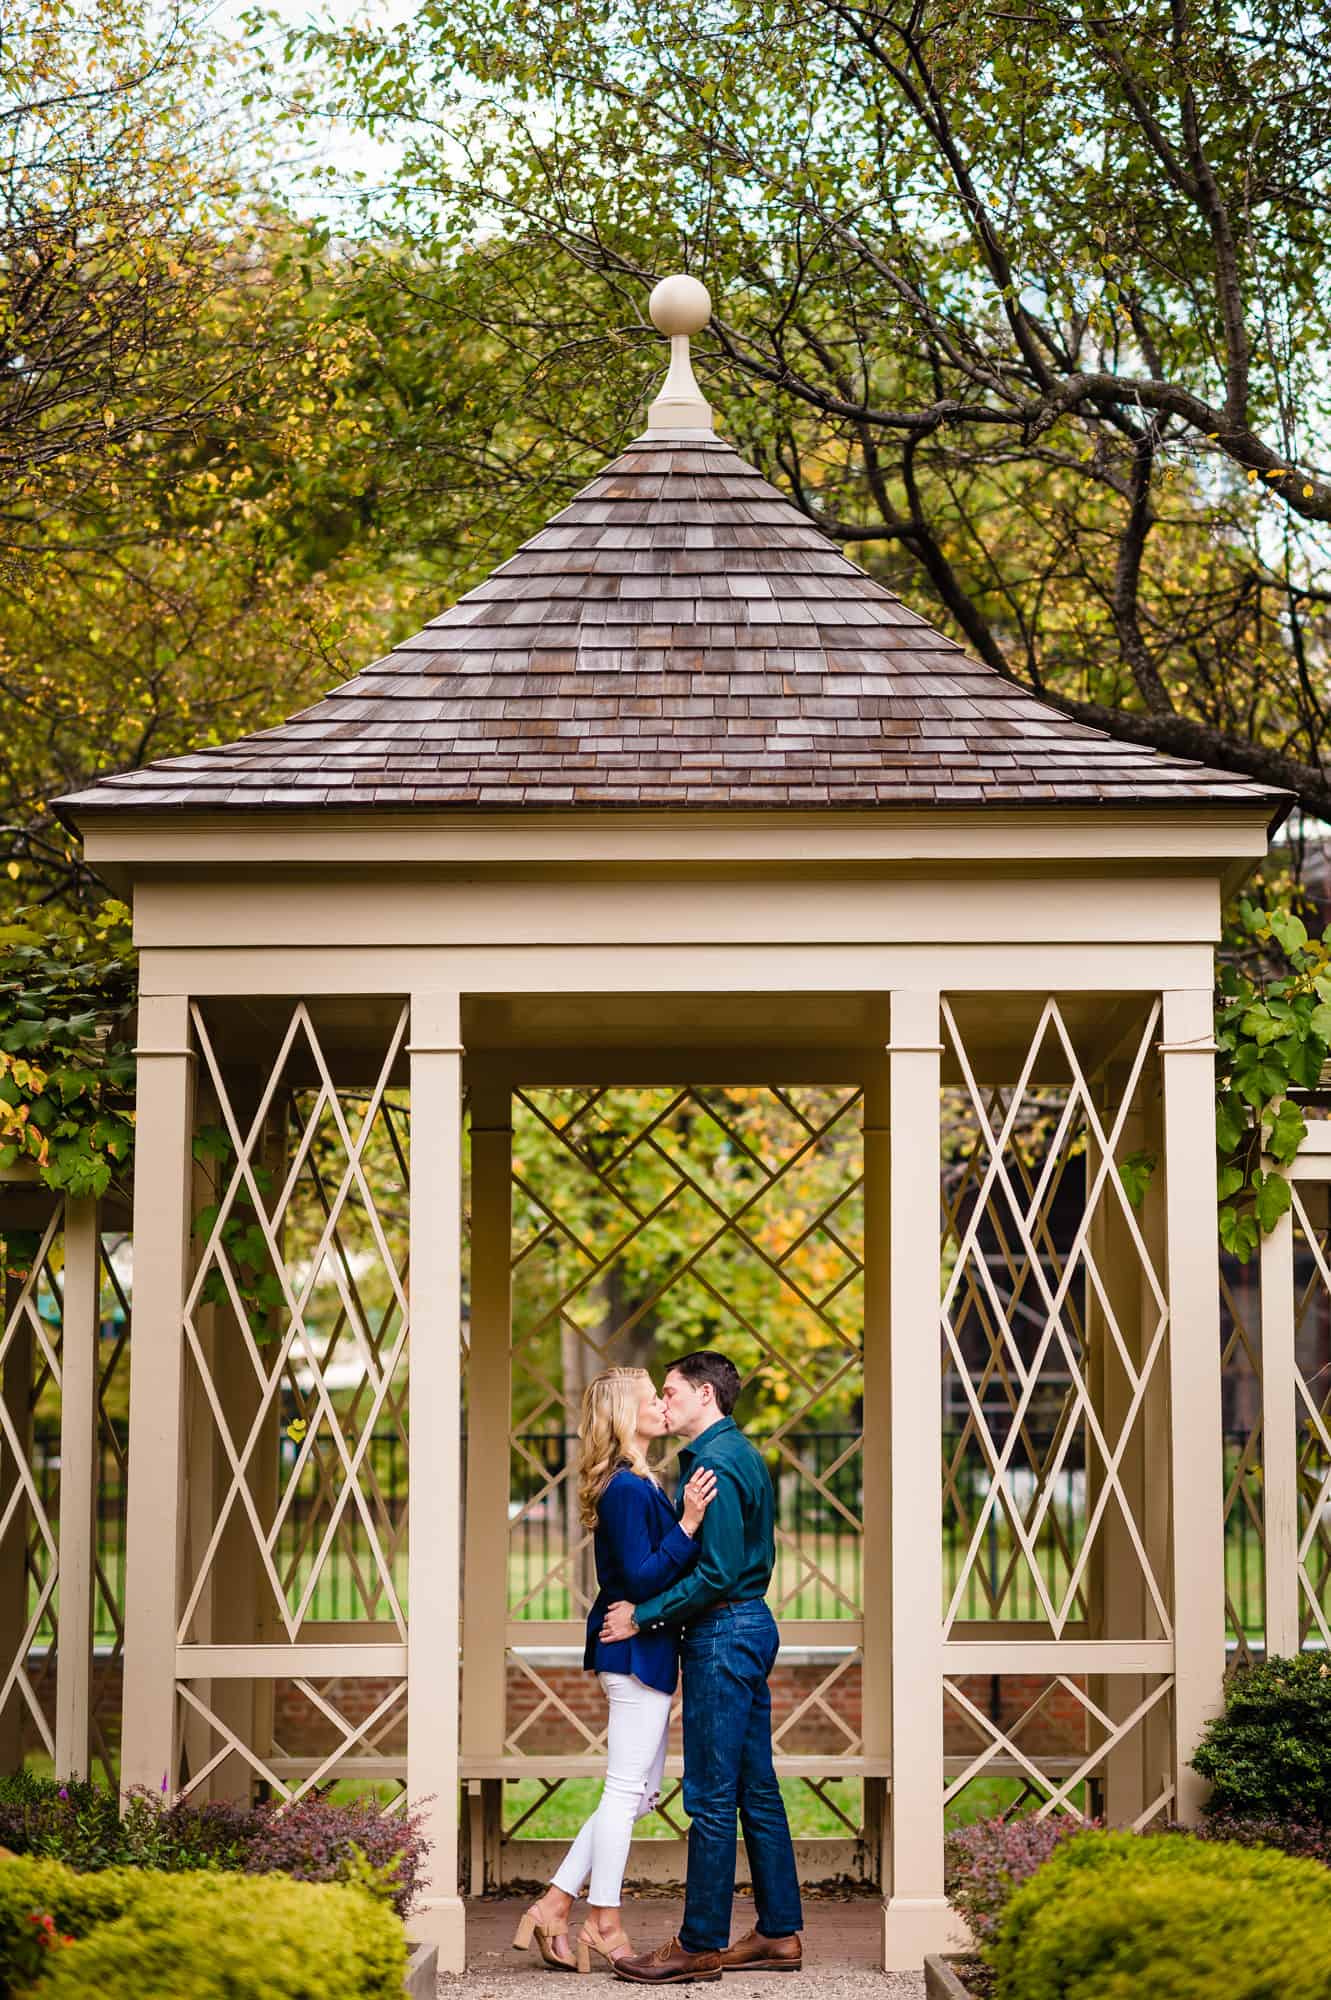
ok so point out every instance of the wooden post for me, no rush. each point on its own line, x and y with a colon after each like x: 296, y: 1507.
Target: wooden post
x: 917, y: 1919
x: 875, y: 1595
x: 434, y: 1413
x: 485, y: 1561
x: 162, y: 1182
x: 80, y: 1322
x: 1280, y: 1445
x: 1119, y: 1601
x: 1187, y: 1055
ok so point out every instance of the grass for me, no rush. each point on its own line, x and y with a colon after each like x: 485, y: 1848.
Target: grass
x: 566, y: 1809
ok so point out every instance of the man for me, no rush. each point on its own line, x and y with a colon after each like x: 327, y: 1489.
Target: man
x: 728, y: 1644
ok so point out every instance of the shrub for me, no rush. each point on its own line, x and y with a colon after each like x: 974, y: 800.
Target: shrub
x: 80, y: 1823
x: 1310, y: 1839
x: 990, y: 1859
x: 137, y: 1935
x: 1269, y: 1755
x: 1114, y: 1916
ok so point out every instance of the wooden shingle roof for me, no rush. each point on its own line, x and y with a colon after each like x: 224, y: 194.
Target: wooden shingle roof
x: 680, y: 635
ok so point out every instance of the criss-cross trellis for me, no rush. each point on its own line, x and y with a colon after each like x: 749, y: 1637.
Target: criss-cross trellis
x: 649, y: 1221
x: 295, y: 1325
x: 1066, y: 1781
x: 1312, y: 1410
x: 30, y: 1371
x: 1025, y: 1308
x: 1055, y: 1328
x: 324, y: 1358
x: 1241, y: 1364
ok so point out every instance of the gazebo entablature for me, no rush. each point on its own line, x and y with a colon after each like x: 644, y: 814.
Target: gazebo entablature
x: 1023, y: 947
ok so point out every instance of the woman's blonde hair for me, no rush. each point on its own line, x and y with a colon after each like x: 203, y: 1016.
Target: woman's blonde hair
x: 608, y: 1433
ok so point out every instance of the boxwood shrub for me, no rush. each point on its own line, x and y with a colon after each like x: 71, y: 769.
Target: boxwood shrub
x: 1268, y: 1756
x: 1117, y: 1916
x: 134, y: 1934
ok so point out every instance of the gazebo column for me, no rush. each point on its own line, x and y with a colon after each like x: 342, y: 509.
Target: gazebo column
x: 1188, y: 1059
x: 162, y: 1189
x: 876, y: 1584
x: 918, y: 1919
x: 1120, y: 1606
x: 80, y: 1323
x: 485, y: 1570
x: 434, y: 1430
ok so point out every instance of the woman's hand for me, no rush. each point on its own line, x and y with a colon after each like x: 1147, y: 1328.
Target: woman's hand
x: 698, y: 1495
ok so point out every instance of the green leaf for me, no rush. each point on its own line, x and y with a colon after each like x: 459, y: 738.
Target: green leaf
x: 1271, y: 1199
x: 1238, y: 1231
x: 1229, y: 1180
x: 1289, y: 931
x: 1135, y: 1173
x: 1285, y: 1133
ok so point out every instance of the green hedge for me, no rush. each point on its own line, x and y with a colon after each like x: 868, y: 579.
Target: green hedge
x: 142, y: 1936
x: 1120, y: 1916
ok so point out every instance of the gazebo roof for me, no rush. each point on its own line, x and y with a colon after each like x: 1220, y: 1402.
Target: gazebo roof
x: 680, y: 635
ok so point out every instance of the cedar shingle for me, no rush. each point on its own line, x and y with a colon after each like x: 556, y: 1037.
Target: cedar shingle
x: 679, y: 634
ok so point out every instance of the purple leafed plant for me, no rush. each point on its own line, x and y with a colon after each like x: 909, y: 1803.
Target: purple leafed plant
x: 989, y: 1860
x: 81, y: 1824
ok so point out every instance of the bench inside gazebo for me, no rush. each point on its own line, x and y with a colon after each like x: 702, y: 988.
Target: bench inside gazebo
x: 678, y: 941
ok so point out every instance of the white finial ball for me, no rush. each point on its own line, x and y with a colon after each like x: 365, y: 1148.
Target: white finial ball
x: 680, y: 305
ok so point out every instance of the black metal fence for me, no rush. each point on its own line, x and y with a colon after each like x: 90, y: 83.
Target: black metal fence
x: 819, y: 1499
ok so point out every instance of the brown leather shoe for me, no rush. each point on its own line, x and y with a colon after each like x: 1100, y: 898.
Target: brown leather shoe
x: 754, y: 1953
x: 669, y: 1963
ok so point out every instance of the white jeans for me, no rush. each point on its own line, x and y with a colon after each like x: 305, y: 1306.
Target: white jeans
x: 635, y: 1759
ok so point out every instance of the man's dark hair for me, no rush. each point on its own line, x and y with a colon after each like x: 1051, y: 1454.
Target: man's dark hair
x: 708, y: 1366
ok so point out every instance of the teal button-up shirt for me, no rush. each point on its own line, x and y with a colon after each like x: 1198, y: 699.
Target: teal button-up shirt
x: 736, y: 1539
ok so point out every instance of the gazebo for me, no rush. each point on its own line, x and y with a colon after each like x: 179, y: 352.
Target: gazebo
x: 680, y: 803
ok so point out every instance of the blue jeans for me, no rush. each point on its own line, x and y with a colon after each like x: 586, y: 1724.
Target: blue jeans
x: 726, y: 1655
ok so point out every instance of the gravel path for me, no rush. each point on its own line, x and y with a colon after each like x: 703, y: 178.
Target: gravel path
x: 841, y: 1942
x: 832, y: 1983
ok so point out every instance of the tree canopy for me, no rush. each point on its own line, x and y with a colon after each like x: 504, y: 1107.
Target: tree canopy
x: 1029, y: 310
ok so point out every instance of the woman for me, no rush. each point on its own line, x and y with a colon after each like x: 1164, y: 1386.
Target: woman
x: 640, y: 1548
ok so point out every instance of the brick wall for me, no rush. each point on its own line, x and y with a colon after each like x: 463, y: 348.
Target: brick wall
x: 1059, y: 1729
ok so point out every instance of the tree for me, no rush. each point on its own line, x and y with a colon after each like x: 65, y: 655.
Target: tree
x: 1037, y: 303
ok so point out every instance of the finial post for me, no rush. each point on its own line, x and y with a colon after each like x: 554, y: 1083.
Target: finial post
x: 679, y: 306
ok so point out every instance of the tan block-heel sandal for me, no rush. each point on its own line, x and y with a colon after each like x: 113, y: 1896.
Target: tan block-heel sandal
x: 531, y: 1927
x: 620, y: 1945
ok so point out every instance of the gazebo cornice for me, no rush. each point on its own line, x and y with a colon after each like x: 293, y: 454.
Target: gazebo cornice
x: 137, y: 842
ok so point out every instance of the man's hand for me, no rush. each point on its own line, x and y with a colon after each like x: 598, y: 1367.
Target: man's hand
x: 620, y: 1623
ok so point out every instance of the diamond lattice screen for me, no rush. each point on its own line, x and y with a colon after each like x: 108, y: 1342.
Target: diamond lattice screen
x: 30, y: 1357
x: 296, y: 1332
x: 647, y: 1222
x: 1054, y: 1322
x: 1312, y: 1407
x: 1055, y: 1738
x: 1245, y: 1526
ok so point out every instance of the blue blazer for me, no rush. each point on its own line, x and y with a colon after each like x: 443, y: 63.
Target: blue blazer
x: 640, y: 1549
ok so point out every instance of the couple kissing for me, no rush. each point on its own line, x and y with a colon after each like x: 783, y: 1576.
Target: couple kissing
x: 680, y: 1589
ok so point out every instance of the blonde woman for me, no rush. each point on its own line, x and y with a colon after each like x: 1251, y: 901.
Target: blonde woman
x: 640, y: 1548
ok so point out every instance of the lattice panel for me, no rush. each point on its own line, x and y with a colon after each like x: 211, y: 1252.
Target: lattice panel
x: 296, y: 1330
x: 647, y: 1222
x: 1312, y: 1408
x: 328, y: 1730
x: 1245, y: 1524
x: 1049, y: 1743
x: 30, y: 1355
x: 1037, y: 1345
